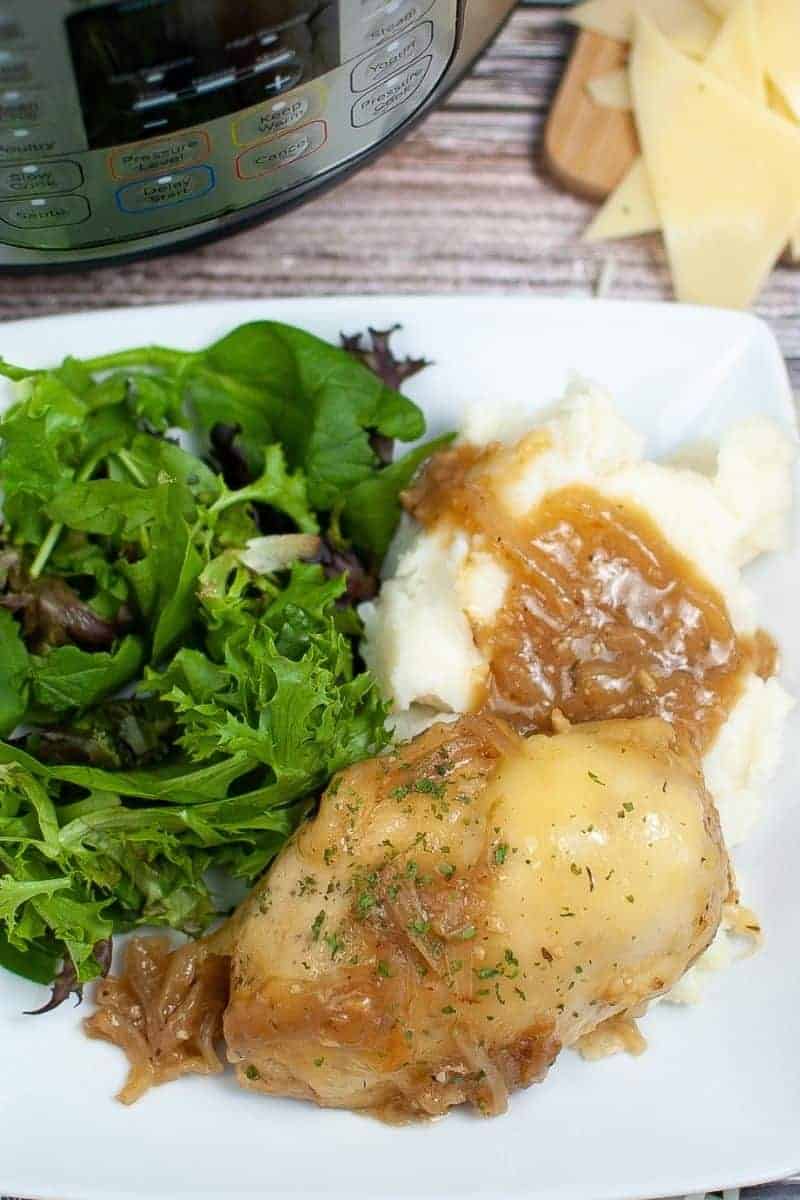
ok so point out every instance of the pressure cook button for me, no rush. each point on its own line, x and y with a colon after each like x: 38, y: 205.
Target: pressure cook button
x: 39, y: 179
x: 281, y: 151
x: 18, y: 108
x: 165, y: 154
x: 45, y: 214
x: 27, y: 143
x: 14, y: 67
x: 390, y: 57
x: 164, y: 191
x: 390, y: 94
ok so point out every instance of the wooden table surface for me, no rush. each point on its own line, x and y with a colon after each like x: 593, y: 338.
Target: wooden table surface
x: 462, y: 204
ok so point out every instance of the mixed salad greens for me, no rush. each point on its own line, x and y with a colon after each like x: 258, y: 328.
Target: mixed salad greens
x: 178, y: 670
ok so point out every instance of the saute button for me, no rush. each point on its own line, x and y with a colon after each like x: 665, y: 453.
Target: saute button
x: 165, y: 154
x: 390, y: 94
x: 39, y: 179
x: 281, y: 151
x: 45, y: 214
x: 164, y: 191
x: 391, y: 57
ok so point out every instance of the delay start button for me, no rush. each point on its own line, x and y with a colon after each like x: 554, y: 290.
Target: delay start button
x: 389, y: 58
x: 281, y: 151
x: 164, y: 191
x: 390, y: 94
x: 45, y: 214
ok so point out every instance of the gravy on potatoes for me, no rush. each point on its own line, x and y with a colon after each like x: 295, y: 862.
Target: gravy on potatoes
x: 602, y: 617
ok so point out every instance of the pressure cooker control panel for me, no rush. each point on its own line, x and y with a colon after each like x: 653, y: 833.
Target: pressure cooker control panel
x: 124, y: 120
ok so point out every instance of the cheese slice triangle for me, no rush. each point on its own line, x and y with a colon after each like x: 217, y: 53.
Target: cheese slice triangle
x: 629, y: 210
x: 687, y: 22
x: 780, y: 34
x: 736, y: 53
x: 725, y: 173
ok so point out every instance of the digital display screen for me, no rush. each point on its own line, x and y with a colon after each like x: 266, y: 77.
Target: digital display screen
x: 146, y: 67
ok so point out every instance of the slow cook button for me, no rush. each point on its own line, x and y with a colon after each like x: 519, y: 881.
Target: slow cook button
x: 164, y: 191
x: 165, y: 154
x: 39, y: 179
x: 390, y: 94
x: 45, y: 214
x: 281, y: 151
x: 389, y: 58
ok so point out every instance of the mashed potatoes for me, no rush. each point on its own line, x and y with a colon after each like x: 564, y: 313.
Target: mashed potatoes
x: 426, y: 635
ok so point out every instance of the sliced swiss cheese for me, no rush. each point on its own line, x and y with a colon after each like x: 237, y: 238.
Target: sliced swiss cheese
x: 736, y: 53
x: 725, y: 173
x: 687, y: 22
x: 780, y: 35
x: 611, y: 90
x: 629, y: 210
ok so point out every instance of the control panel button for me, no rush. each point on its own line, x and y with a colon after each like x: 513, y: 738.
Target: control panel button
x: 14, y: 67
x: 39, y: 179
x: 281, y: 151
x: 381, y: 21
x: 9, y: 29
x: 165, y: 154
x: 45, y: 214
x: 391, y: 57
x: 22, y: 142
x: 164, y: 191
x: 390, y: 94
x: 270, y: 119
x: 17, y: 108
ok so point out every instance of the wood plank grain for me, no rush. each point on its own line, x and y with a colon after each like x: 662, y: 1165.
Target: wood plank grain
x: 589, y: 149
x: 462, y: 204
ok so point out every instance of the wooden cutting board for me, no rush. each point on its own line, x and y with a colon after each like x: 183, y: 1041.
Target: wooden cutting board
x: 588, y: 149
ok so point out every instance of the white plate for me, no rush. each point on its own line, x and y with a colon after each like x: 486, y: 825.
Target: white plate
x: 715, y: 1101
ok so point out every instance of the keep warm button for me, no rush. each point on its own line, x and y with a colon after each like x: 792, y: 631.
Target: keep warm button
x: 281, y: 151
x: 390, y: 94
x: 164, y: 191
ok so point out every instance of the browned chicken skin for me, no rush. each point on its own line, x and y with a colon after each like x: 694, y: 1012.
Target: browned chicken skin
x: 458, y: 911
x: 466, y: 906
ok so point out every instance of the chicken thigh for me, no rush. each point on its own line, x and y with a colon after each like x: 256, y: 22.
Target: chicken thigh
x: 465, y: 906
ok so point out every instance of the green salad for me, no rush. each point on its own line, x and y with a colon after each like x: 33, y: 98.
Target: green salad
x: 179, y: 674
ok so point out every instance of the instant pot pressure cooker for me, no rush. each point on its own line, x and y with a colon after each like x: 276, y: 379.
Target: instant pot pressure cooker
x: 134, y: 126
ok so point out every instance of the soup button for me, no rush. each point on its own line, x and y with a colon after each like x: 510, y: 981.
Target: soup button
x: 281, y: 151
x: 165, y: 191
